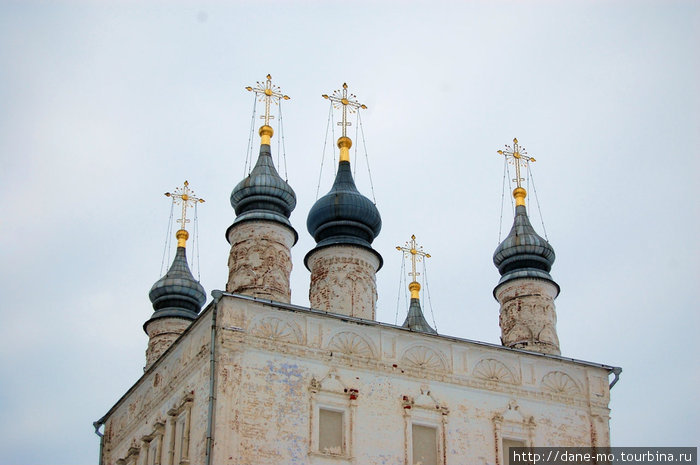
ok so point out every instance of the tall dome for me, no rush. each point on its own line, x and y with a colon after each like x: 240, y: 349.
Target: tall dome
x: 523, y: 253
x: 344, y: 223
x: 177, y: 294
x: 263, y: 194
x: 343, y: 215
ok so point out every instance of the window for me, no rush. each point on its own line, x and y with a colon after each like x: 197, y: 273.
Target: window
x: 512, y: 428
x: 182, y: 437
x: 425, y: 419
x: 154, y: 452
x: 153, y: 445
x: 332, y: 406
x: 179, y: 435
x: 507, y: 444
x: 424, y: 444
x: 330, y: 432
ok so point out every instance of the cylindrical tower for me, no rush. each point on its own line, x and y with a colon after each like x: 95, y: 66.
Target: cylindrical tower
x: 343, y: 264
x: 526, y: 291
x: 261, y: 237
x: 177, y: 299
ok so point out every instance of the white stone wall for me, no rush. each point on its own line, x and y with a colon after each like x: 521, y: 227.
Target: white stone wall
x: 176, y: 386
x: 528, y: 317
x: 260, y: 260
x: 276, y: 367
x: 161, y: 334
x: 343, y: 280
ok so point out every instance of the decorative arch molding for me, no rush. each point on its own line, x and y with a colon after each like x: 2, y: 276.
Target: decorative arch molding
x: 509, y: 425
x: 423, y: 411
x: 424, y: 357
x: 352, y: 344
x: 331, y: 394
x: 558, y: 382
x: 278, y: 329
x: 494, y: 370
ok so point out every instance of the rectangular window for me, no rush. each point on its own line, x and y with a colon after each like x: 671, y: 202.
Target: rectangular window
x: 507, y: 444
x: 181, y: 438
x: 330, y: 432
x: 154, y: 451
x: 425, y: 447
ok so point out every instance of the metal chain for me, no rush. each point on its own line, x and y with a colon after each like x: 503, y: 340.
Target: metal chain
x: 402, y: 281
x: 323, y: 155
x: 168, y: 238
x: 369, y: 172
x: 284, y: 149
x: 503, y: 193
x: 427, y: 293
x: 249, y: 150
x: 537, y: 201
x: 195, y: 246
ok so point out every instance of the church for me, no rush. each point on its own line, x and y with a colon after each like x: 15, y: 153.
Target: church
x: 252, y: 379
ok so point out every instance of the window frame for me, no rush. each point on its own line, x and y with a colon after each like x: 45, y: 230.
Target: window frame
x: 331, y: 394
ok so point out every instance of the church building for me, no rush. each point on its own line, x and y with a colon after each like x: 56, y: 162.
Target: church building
x: 252, y: 379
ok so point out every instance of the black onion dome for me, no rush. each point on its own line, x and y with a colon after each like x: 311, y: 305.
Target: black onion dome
x: 263, y: 195
x: 523, y: 253
x: 415, y: 321
x: 177, y: 294
x: 344, y: 216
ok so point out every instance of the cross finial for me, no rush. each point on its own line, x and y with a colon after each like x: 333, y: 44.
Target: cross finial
x: 416, y: 254
x: 341, y: 99
x: 267, y: 92
x: 517, y: 156
x: 185, y: 196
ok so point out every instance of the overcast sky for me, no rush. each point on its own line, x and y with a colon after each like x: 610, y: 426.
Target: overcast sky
x: 104, y: 106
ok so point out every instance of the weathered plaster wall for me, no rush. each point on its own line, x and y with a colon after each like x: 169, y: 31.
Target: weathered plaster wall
x: 176, y: 382
x: 260, y: 260
x: 528, y: 317
x: 162, y: 333
x: 277, y: 366
x: 343, y: 280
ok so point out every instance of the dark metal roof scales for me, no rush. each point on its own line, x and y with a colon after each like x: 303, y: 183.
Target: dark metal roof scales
x: 177, y: 294
x: 263, y: 194
x: 415, y: 321
x: 344, y: 215
x: 523, y: 253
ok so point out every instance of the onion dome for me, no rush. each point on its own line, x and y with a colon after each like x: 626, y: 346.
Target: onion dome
x: 523, y: 253
x: 344, y: 216
x: 263, y: 194
x: 415, y: 321
x: 177, y: 294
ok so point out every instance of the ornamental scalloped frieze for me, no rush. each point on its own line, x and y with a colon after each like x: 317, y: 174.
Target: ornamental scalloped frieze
x: 559, y: 382
x: 494, y: 370
x: 350, y: 343
x: 278, y: 330
x: 424, y: 357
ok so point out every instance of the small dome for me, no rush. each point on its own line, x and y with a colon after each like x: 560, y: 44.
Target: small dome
x: 523, y: 253
x: 415, y: 321
x: 344, y: 216
x: 177, y: 294
x: 263, y: 195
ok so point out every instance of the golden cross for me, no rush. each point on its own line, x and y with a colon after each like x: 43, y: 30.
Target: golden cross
x: 417, y: 255
x: 268, y: 91
x: 348, y: 102
x: 516, y: 155
x: 185, y: 196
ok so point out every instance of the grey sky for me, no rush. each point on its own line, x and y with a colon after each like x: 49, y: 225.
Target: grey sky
x: 106, y: 105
